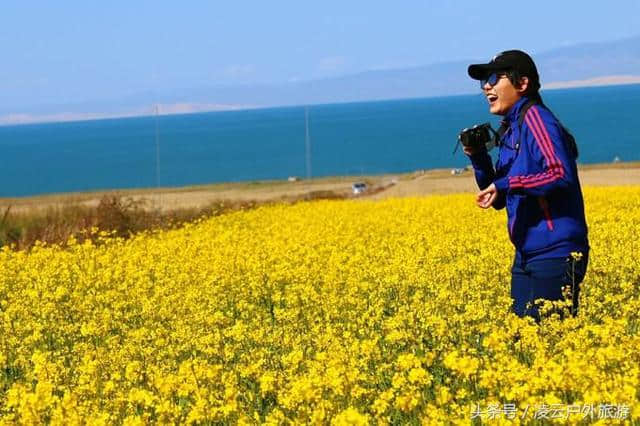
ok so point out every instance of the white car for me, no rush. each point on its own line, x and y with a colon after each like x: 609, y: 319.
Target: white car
x: 359, y: 187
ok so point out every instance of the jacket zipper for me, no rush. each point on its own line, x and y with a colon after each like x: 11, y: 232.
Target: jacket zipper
x: 544, y: 205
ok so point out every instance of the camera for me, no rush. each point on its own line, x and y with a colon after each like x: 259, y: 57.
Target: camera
x: 477, y: 136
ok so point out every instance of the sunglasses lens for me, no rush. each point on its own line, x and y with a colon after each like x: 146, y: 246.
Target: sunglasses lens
x: 492, y: 79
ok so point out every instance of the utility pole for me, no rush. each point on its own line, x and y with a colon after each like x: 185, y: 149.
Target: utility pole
x: 307, y: 142
x: 157, y: 150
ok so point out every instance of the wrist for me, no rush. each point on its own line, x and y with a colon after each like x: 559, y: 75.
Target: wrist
x: 502, y: 184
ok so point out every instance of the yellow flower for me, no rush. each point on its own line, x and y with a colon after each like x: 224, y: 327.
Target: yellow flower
x: 419, y: 376
x: 343, y: 312
x: 406, y: 402
x: 350, y: 416
x: 267, y: 382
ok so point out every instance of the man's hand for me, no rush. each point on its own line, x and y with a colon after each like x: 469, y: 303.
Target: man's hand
x: 487, y: 196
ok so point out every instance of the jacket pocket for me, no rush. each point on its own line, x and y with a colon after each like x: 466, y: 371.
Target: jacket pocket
x: 546, y: 212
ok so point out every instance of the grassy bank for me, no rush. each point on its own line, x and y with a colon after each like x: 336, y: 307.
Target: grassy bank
x: 118, y: 215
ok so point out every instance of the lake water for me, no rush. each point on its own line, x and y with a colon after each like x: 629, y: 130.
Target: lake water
x: 346, y: 139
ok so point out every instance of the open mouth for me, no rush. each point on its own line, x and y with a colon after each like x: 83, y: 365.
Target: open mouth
x: 492, y: 98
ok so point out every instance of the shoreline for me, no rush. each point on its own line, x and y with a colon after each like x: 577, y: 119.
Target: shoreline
x: 415, y: 183
x: 182, y: 108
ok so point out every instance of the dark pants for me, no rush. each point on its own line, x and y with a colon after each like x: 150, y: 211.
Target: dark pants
x: 545, y: 279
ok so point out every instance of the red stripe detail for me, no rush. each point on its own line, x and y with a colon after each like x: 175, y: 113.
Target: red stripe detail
x: 543, y: 140
x: 537, y: 178
x: 533, y: 125
x: 555, y: 170
x: 530, y: 179
x: 522, y: 180
x: 532, y: 176
x: 556, y: 162
x: 540, y: 183
x: 550, y: 224
x: 547, y: 214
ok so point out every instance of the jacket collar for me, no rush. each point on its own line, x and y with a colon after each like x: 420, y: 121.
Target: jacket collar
x: 512, y: 115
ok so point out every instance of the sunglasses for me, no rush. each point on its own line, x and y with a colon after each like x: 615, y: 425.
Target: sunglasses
x: 492, y: 79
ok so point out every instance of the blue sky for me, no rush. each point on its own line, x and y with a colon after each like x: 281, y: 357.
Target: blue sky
x: 72, y: 51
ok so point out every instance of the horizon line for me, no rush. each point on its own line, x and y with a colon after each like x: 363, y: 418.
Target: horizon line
x: 187, y: 108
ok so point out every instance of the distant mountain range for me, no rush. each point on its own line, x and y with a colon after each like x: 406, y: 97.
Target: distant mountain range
x: 615, y: 62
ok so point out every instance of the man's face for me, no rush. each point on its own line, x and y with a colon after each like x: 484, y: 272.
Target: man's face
x: 502, y: 96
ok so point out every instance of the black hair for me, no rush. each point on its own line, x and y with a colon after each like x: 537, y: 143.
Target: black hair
x: 571, y: 141
x: 533, y: 90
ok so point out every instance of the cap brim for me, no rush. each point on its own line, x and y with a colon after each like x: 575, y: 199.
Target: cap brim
x: 480, y: 71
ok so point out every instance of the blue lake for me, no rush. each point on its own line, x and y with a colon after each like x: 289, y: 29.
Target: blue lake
x: 346, y: 139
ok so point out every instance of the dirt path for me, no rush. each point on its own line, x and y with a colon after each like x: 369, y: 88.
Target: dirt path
x: 443, y: 184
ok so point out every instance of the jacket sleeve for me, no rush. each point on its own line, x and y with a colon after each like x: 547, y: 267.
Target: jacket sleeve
x: 543, y: 138
x: 485, y: 175
x: 482, y: 168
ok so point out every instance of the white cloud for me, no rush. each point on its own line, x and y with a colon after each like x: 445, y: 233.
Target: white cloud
x: 163, y: 109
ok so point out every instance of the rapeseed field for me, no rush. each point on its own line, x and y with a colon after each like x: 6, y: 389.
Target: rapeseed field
x: 327, y: 312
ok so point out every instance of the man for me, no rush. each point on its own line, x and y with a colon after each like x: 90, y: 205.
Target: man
x: 536, y: 178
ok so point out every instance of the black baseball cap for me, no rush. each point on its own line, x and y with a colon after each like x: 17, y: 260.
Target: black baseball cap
x: 515, y: 60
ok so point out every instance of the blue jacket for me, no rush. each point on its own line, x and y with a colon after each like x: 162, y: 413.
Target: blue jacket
x: 537, y: 180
